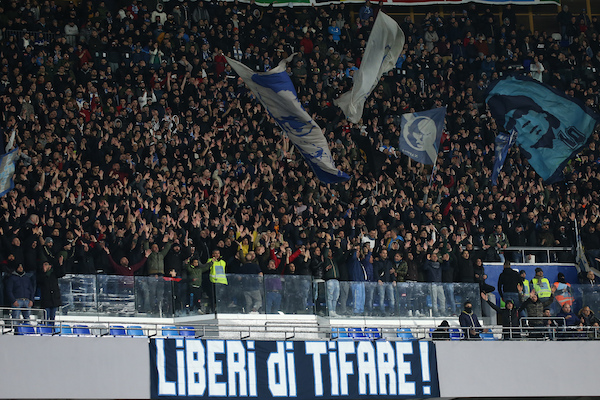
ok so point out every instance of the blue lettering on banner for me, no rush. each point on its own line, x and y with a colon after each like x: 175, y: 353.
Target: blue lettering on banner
x: 220, y: 369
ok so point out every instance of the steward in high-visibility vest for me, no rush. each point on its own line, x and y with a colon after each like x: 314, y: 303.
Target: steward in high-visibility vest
x: 217, y: 270
x: 526, y: 285
x: 563, y: 294
x: 541, y: 285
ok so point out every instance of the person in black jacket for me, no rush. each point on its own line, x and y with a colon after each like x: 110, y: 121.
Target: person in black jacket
x: 508, y: 283
x: 509, y: 315
x: 50, y: 291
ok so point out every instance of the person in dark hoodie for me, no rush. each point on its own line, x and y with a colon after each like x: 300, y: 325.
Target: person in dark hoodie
x: 509, y: 315
x: 469, y: 322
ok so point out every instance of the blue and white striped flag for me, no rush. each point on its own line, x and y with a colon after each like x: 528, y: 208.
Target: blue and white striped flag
x: 504, y: 142
x: 383, y: 49
x: 275, y: 90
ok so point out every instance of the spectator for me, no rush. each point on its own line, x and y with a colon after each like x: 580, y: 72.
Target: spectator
x: 509, y: 282
x: 251, y: 284
x: 567, y: 316
x: 366, y: 12
x: 469, y: 322
x: 332, y: 275
x: 587, y: 317
x: 123, y: 267
x: 535, y: 309
x: 434, y: 274
x: 387, y: 275
x: 19, y: 291
x: 195, y: 271
x: 509, y: 317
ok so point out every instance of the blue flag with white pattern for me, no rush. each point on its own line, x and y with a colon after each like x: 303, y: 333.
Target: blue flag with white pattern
x: 275, y: 90
x: 7, y: 171
x: 421, y: 133
x: 551, y: 126
x: 504, y: 142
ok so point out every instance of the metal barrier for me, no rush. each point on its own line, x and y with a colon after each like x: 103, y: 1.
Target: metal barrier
x: 286, y: 331
x: 548, y: 250
x: 34, y: 35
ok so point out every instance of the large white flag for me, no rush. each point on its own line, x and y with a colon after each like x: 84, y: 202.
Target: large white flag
x: 276, y: 92
x: 383, y: 49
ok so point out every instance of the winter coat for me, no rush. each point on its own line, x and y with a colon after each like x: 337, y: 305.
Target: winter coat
x: 49, y: 288
x: 19, y: 286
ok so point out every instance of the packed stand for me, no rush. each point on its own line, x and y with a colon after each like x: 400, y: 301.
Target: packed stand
x: 139, y: 143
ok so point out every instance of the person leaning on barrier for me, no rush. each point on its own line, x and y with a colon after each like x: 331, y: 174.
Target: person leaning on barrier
x: 509, y: 316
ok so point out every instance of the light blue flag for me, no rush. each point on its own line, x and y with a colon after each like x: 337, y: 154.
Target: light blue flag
x: 274, y: 89
x: 551, y: 127
x: 504, y: 142
x: 7, y: 171
x: 421, y: 133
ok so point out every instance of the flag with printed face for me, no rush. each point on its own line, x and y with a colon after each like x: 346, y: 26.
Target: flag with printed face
x: 551, y: 126
x: 274, y: 89
x: 504, y: 142
x: 383, y: 49
x: 7, y: 171
x: 421, y: 133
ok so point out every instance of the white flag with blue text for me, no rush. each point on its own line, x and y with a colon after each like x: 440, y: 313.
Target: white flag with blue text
x: 274, y: 89
x: 383, y: 49
x: 421, y: 134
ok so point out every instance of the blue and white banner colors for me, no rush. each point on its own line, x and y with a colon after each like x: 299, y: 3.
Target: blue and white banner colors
x: 276, y: 92
x: 347, y: 369
x: 383, y: 49
x: 551, y: 127
x: 504, y: 142
x: 7, y: 171
x: 421, y: 133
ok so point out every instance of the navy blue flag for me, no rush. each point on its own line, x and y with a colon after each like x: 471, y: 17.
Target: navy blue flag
x: 551, y: 127
x: 7, y: 171
x: 504, y: 142
x: 421, y: 133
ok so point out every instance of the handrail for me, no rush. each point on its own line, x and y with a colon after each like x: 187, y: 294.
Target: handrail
x: 322, y: 332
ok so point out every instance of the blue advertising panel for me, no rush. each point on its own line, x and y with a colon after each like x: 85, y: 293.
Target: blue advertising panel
x: 345, y: 369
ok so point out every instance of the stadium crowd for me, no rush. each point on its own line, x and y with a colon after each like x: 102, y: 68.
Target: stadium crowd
x: 137, y: 142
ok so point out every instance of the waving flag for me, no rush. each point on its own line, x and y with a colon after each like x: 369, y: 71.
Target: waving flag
x: 276, y: 92
x: 7, y: 171
x: 383, y: 49
x: 421, y: 133
x: 551, y: 127
x: 504, y: 142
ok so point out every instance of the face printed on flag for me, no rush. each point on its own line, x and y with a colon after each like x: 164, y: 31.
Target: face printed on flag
x: 421, y: 133
x: 274, y: 89
x: 551, y: 127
